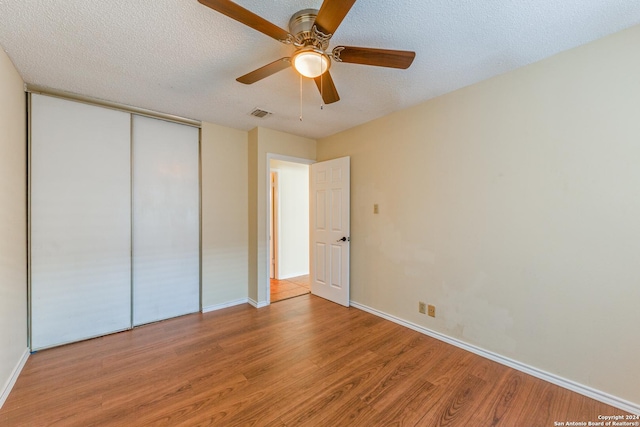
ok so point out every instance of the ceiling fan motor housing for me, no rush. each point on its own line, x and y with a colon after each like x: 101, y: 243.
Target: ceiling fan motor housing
x: 301, y: 26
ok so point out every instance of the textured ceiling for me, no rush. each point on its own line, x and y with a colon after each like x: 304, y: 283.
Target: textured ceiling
x: 182, y: 58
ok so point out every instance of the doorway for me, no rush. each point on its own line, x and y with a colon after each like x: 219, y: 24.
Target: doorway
x: 288, y: 229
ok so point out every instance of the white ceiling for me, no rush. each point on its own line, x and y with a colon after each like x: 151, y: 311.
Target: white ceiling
x: 180, y: 57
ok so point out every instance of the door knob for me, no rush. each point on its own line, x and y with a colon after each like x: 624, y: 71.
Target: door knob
x: 344, y: 239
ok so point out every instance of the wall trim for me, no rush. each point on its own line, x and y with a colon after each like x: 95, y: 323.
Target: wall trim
x: 227, y: 304
x: 291, y: 276
x: 4, y: 392
x: 584, y: 390
x: 43, y: 90
x: 257, y: 304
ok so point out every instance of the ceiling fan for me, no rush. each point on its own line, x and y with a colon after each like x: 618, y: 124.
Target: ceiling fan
x: 310, y: 31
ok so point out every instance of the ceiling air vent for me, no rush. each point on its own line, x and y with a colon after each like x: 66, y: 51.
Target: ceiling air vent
x: 260, y: 113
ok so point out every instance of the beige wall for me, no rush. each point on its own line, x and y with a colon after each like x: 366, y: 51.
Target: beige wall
x: 264, y: 141
x: 513, y: 205
x: 13, y: 263
x: 252, y: 160
x: 224, y: 215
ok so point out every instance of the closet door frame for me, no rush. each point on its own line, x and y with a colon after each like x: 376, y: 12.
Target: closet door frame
x: 35, y: 89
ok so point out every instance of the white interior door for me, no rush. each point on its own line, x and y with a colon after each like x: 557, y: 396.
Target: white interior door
x: 166, y: 220
x: 329, y: 211
x: 80, y: 221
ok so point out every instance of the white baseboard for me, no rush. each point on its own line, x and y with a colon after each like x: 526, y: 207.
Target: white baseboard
x: 584, y: 390
x: 257, y: 304
x: 4, y: 392
x: 228, y: 304
x: 291, y: 276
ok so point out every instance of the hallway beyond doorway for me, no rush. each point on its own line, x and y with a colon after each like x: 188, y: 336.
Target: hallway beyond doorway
x: 289, y: 288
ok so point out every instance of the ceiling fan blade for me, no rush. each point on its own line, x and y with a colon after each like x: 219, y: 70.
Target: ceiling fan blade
x: 265, y: 71
x: 331, y: 14
x: 378, y: 57
x: 247, y: 17
x: 327, y: 88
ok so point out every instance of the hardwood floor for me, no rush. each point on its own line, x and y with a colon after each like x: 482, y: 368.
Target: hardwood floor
x: 302, y: 362
x: 289, y: 288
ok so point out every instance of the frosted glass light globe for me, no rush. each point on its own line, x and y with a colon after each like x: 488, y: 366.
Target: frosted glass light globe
x: 311, y: 63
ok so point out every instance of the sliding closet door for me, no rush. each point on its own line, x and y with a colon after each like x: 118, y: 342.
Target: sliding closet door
x: 80, y: 221
x: 166, y: 230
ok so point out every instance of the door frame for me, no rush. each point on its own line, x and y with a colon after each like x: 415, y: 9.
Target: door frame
x: 267, y: 190
x: 274, y: 224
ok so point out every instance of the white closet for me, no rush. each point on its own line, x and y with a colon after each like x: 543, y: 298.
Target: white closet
x: 80, y: 221
x: 88, y: 276
x: 166, y: 232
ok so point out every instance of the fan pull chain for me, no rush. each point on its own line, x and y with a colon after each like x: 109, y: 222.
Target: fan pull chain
x: 321, y: 87
x: 301, y: 97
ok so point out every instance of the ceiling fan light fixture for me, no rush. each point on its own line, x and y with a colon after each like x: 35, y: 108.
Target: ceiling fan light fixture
x: 311, y: 62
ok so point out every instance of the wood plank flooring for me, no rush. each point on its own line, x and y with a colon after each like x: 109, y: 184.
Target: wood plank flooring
x: 289, y: 288
x: 301, y: 362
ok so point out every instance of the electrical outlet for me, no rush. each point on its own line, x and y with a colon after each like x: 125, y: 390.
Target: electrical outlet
x: 432, y: 310
x: 422, y: 307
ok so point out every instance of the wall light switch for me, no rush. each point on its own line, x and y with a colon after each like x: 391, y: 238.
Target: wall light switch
x: 422, y: 307
x: 375, y: 208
